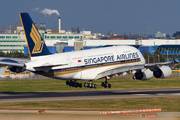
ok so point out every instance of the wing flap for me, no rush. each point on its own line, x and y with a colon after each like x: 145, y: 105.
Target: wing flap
x: 49, y: 65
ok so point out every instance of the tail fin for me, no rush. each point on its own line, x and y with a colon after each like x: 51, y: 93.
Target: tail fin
x: 35, y: 43
x: 174, y: 61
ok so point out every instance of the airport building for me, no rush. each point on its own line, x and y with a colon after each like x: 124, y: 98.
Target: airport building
x: 77, y: 40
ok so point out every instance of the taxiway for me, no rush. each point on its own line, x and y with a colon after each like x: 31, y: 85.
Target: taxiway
x: 7, y: 97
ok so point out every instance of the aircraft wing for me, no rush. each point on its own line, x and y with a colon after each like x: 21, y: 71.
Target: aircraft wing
x: 157, y: 64
x: 118, y: 70
x: 151, y: 66
x: 19, y: 62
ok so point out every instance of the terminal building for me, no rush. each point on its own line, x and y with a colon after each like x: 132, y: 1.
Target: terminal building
x: 58, y: 43
x: 65, y: 41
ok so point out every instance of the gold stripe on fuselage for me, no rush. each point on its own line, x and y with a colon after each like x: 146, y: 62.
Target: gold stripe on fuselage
x: 73, y: 70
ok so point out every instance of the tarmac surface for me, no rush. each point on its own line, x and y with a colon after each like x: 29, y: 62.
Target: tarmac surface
x: 7, y: 97
x: 79, y: 115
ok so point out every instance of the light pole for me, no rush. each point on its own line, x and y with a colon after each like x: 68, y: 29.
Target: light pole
x: 148, y: 59
x: 167, y: 55
x: 158, y: 58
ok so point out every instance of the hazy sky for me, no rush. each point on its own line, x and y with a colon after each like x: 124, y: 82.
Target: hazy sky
x: 99, y: 16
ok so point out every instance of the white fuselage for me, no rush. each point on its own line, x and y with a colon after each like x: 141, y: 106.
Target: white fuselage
x: 88, y: 64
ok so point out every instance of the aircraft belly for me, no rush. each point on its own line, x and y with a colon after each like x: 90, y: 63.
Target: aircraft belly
x: 92, y: 73
x: 66, y: 76
x: 77, y: 76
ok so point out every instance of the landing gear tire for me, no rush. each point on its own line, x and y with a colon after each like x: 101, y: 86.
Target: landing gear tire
x: 80, y: 85
x: 70, y: 84
x: 76, y: 85
x: 109, y: 85
x: 102, y: 84
x: 67, y: 82
x: 95, y: 85
x: 85, y: 84
x: 90, y: 85
x: 106, y: 84
x: 73, y: 84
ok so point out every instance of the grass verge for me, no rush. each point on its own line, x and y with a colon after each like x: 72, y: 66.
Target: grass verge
x: 170, y: 104
x: 58, y: 85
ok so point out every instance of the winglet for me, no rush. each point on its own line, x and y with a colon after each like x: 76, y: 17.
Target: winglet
x: 35, y: 43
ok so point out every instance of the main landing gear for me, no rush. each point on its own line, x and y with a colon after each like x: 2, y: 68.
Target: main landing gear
x: 106, y: 84
x: 74, y: 84
x: 90, y: 85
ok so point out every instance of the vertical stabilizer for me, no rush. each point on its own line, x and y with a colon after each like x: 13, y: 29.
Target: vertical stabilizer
x: 35, y: 43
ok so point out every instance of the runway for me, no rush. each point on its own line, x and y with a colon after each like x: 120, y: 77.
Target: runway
x: 8, y: 97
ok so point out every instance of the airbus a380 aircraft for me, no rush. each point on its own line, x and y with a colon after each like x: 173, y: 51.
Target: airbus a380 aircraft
x: 85, y: 64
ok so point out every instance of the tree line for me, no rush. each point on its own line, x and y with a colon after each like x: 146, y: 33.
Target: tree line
x: 14, y: 54
x: 156, y: 57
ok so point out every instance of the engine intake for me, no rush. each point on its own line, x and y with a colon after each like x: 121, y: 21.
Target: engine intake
x: 162, y: 72
x: 146, y: 75
x: 16, y: 69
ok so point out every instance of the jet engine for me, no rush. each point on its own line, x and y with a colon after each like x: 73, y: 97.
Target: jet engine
x: 16, y: 69
x: 146, y: 75
x: 162, y: 72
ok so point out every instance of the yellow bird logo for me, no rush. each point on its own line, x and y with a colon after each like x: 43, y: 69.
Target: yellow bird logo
x: 37, y: 40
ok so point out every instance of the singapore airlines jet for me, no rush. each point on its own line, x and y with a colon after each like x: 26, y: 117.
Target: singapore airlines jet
x: 85, y: 64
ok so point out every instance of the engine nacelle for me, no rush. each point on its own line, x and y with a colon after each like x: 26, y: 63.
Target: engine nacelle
x: 146, y: 75
x: 162, y: 72
x: 16, y: 69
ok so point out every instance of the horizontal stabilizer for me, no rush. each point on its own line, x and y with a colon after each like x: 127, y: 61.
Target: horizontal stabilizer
x: 13, y: 64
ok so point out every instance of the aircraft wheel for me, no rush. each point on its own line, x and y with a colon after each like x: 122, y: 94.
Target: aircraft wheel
x: 109, y: 85
x: 85, y: 84
x: 92, y: 85
x: 89, y: 85
x: 106, y: 84
x: 102, y: 84
x: 70, y: 84
x: 80, y: 85
x: 95, y: 85
x: 76, y: 85
x: 67, y: 82
x: 73, y: 84
x: 134, y: 78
